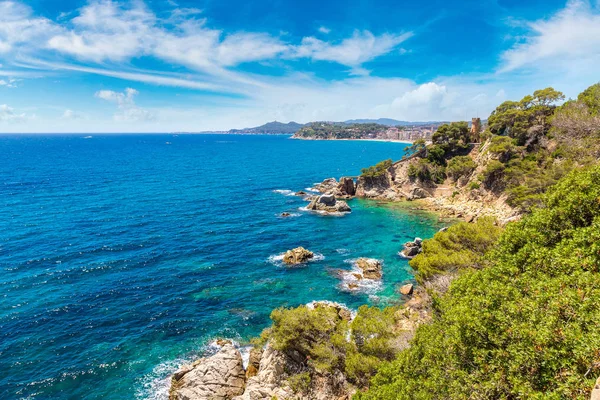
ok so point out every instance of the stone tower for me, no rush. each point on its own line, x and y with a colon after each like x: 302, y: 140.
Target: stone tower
x: 475, y: 129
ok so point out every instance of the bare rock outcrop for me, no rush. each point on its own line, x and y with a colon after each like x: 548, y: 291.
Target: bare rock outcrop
x: 329, y: 204
x: 219, y: 377
x: 269, y: 382
x: 371, y: 268
x: 297, y: 256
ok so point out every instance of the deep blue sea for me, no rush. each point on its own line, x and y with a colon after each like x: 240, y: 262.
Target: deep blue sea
x: 121, y: 256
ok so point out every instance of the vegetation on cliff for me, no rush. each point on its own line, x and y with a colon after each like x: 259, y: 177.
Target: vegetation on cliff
x: 528, y: 325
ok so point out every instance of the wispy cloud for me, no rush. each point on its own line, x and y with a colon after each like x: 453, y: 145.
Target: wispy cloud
x: 572, y: 34
x: 362, y: 47
x: 127, y: 110
x: 324, y: 29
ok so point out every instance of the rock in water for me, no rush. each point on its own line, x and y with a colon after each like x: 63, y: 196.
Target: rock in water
x: 219, y: 377
x: 406, y: 289
x: 297, y: 256
x: 329, y: 204
x: 371, y: 268
x: 329, y: 185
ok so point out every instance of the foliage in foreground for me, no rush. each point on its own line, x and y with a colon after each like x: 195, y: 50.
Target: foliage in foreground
x: 527, y: 326
x: 326, y: 343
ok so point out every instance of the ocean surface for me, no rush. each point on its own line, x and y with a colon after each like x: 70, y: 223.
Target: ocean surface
x: 123, y: 256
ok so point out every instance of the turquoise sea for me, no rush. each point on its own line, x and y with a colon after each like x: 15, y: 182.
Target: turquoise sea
x: 123, y: 256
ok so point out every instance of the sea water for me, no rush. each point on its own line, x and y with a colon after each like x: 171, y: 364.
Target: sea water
x: 122, y: 256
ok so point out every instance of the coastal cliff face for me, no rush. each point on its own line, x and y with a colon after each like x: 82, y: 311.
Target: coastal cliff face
x: 464, y: 198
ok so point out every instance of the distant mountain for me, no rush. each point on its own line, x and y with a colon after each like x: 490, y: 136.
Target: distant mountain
x: 271, y: 128
x: 391, y: 122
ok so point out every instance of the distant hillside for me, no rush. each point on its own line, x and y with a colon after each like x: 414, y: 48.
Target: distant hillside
x: 345, y: 130
x: 271, y: 128
x: 336, y: 130
x: 392, y: 122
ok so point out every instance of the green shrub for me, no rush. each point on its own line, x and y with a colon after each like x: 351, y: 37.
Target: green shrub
x: 525, y: 327
x: 318, y: 335
x: 460, y: 246
x: 460, y: 166
x: 426, y: 171
x: 474, y: 185
x: 503, y: 147
x: 377, y: 170
x: 372, y: 342
x: 493, y: 173
x: 300, y: 383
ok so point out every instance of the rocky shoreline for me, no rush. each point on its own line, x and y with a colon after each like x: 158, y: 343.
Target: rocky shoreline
x: 269, y: 371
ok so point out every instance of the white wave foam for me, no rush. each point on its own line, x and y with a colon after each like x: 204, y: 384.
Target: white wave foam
x: 285, y: 192
x: 291, y: 215
x: 353, y: 280
x: 321, y: 212
x: 343, y: 251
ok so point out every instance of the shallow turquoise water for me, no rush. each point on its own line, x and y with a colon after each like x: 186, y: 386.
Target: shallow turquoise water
x: 122, y: 256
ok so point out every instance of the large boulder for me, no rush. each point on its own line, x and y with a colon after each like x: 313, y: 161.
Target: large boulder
x: 371, y: 268
x: 596, y: 391
x: 219, y: 377
x: 297, y: 256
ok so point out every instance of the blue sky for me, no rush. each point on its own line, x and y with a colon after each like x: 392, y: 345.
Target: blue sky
x: 183, y: 65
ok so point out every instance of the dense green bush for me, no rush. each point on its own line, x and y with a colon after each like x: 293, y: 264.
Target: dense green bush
x: 503, y: 148
x: 425, y: 171
x: 492, y: 174
x: 372, y: 342
x: 525, y: 120
x: 377, y: 170
x: 317, y: 334
x: 460, y: 246
x: 460, y: 166
x: 525, y: 327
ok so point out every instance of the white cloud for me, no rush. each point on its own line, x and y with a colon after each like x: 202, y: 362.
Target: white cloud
x: 571, y: 36
x: 354, y: 51
x: 106, y: 31
x: 19, y: 27
x: 324, y: 29
x: 127, y: 110
x: 71, y: 115
x: 7, y: 114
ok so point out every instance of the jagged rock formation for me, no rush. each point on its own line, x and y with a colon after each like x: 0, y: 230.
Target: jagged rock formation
x: 371, y: 268
x: 297, y: 256
x: 345, y: 188
x: 218, y: 377
x: 329, y: 204
x: 411, y: 249
x: 407, y: 289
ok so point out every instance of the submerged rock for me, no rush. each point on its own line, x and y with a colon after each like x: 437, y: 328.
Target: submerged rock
x: 371, y: 268
x: 219, y: 377
x: 297, y: 256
